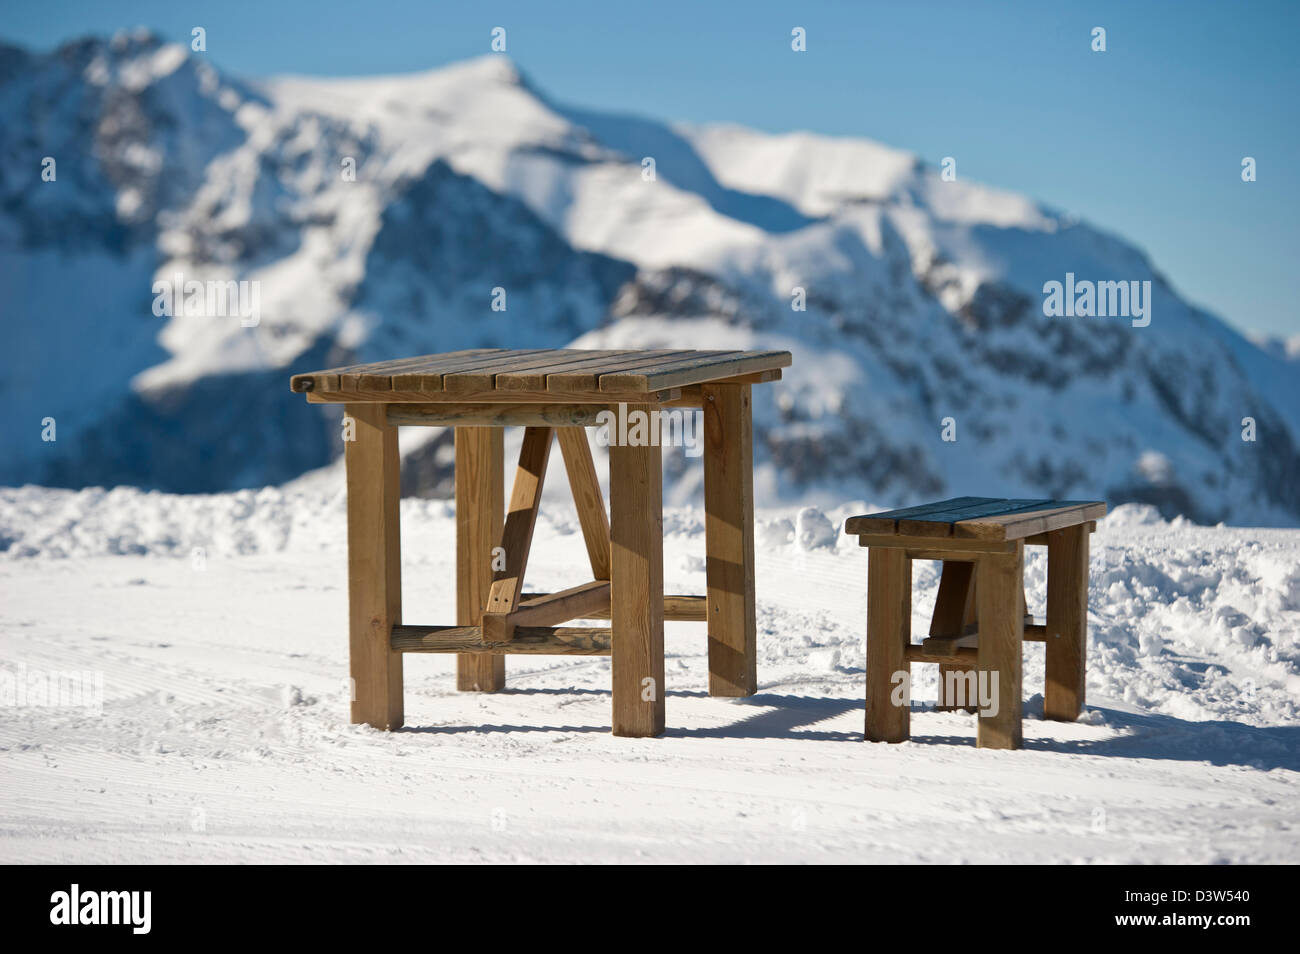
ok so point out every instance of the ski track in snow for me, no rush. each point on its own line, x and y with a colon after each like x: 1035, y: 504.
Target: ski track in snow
x: 224, y: 734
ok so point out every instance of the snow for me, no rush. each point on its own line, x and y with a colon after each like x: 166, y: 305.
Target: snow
x: 218, y: 624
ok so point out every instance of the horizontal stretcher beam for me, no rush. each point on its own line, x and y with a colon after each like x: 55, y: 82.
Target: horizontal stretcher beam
x: 961, y: 656
x: 954, y: 649
x: 528, y: 640
x: 680, y: 607
x: 536, y: 640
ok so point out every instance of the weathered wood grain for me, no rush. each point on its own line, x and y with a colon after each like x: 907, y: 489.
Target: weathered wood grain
x: 729, y: 539
x: 886, y: 522
x: 1066, y: 629
x: 528, y: 640
x: 577, y: 602
x: 374, y: 568
x: 495, y: 415
x: 679, y: 372
x: 999, y: 590
x: 637, y: 587
x: 521, y: 518
x: 480, y: 506
x: 889, y: 633
x: 587, y: 499
x: 677, y: 606
x: 1017, y: 525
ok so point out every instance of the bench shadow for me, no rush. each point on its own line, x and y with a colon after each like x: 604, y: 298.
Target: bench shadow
x: 1155, y: 736
x: 1135, y: 736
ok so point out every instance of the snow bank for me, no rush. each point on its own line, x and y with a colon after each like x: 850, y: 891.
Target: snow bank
x: 1197, y: 622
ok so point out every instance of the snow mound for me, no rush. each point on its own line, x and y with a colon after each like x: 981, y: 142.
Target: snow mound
x: 1203, y: 622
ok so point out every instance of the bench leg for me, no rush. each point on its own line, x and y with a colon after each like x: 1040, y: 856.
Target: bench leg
x: 729, y: 539
x: 636, y: 536
x: 1067, y: 623
x: 999, y: 591
x: 374, y: 567
x: 480, y: 502
x: 889, y: 630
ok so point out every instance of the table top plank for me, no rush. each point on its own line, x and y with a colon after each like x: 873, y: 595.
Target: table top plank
x: 433, y: 377
x: 483, y: 377
x: 535, y: 371
x: 588, y: 379
x: 685, y: 371
x: 379, y: 377
x: 374, y: 374
x: 535, y: 379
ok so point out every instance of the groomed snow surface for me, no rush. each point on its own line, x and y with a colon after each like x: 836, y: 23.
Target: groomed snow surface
x: 224, y: 733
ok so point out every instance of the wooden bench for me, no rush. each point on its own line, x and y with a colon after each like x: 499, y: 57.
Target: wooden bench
x: 553, y: 394
x: 979, y: 619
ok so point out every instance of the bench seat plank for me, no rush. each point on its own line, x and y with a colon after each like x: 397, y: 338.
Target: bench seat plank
x: 940, y: 522
x: 887, y: 520
x: 1017, y: 526
x: 971, y: 521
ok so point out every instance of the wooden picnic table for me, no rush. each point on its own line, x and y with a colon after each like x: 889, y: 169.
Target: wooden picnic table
x: 550, y: 393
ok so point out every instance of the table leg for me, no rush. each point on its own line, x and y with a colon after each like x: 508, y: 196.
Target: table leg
x: 729, y: 539
x: 1067, y: 622
x: 374, y: 567
x: 889, y: 630
x: 637, y: 585
x: 999, y: 590
x: 480, y: 504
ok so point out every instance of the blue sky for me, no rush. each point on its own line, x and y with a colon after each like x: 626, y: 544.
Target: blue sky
x: 1145, y: 139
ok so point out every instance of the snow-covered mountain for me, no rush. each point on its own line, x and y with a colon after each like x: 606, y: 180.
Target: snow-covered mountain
x: 924, y: 297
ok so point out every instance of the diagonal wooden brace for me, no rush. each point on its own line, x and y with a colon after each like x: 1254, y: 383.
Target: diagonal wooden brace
x: 590, y: 505
x: 517, y: 534
x: 578, y: 602
x: 954, y: 614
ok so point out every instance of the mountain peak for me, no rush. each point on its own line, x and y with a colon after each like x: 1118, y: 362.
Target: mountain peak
x: 488, y: 70
x: 496, y: 67
x: 138, y: 40
x: 124, y: 44
x: 375, y: 213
